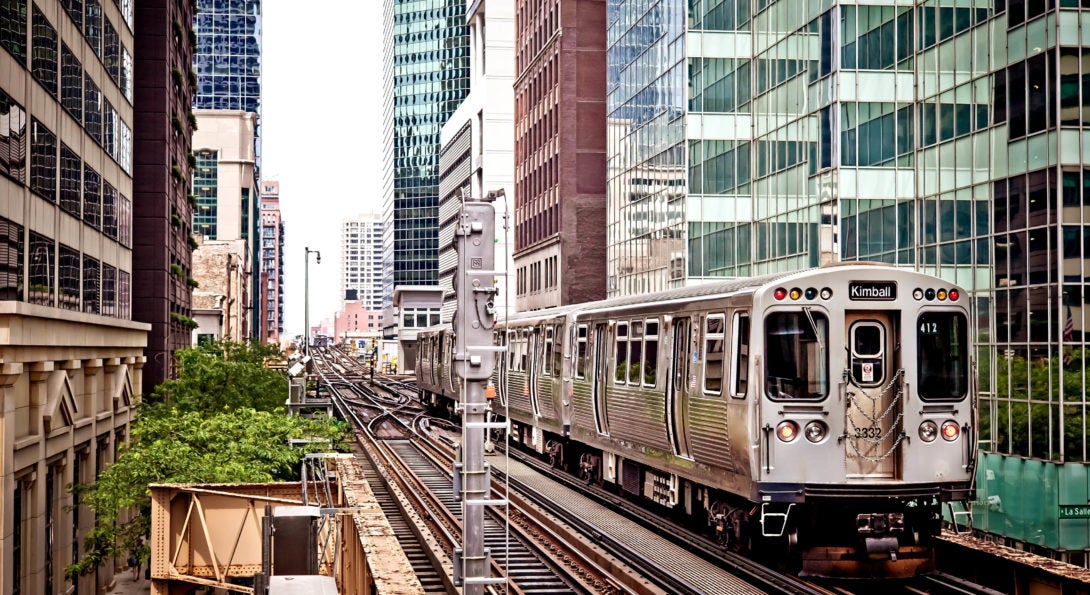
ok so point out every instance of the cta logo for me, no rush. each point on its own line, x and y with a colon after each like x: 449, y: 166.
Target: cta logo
x: 876, y: 291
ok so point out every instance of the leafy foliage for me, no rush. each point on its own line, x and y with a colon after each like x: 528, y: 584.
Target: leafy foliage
x: 220, y: 421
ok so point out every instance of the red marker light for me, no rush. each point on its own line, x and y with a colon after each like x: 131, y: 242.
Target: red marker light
x: 950, y: 430
x: 780, y: 293
x: 954, y: 295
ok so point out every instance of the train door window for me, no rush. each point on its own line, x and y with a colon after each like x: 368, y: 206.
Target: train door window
x: 942, y: 356
x: 524, y: 350
x: 558, y: 350
x: 714, y: 326
x: 796, y: 357
x: 635, y: 353
x: 621, y: 359
x: 651, y: 353
x: 512, y: 350
x: 547, y: 364
x: 868, y: 352
x: 740, y: 354
x: 581, y: 351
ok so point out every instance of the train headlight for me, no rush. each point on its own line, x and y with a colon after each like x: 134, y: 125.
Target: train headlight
x: 796, y: 293
x: 816, y: 431
x: 826, y: 293
x: 950, y: 430
x: 787, y: 431
x: 929, y: 430
x: 917, y: 293
x: 780, y: 293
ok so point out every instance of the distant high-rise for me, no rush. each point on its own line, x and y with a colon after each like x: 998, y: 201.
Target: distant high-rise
x: 228, y: 58
x: 162, y: 214
x: 430, y: 71
x: 560, y: 153
x: 361, y: 257
x: 271, y: 321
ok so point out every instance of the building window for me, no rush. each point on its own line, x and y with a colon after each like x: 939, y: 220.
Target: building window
x: 51, y: 472
x: 12, y: 135
x: 91, y: 285
x: 93, y: 25
x: 71, y: 84
x: 111, y: 48
x: 92, y: 109
x: 109, y: 129
x: 43, y: 62
x: 75, y: 11
x: 205, y: 185
x: 13, y: 28
x: 109, y: 290
x: 124, y: 296
x: 68, y: 283
x: 43, y: 161
x: 41, y: 270
x: 18, y: 515
x: 11, y: 260
x: 71, y: 168
x: 109, y: 210
x: 92, y: 197
x: 124, y: 221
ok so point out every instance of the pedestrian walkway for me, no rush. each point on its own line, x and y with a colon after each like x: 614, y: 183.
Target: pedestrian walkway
x: 127, y: 586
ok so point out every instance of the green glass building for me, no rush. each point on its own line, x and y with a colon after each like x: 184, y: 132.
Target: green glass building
x: 430, y: 72
x: 748, y: 137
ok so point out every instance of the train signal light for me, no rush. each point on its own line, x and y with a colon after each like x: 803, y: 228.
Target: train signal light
x: 929, y: 430
x: 787, y: 431
x: 950, y: 430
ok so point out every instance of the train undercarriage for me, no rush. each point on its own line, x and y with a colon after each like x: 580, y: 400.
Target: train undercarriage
x: 886, y: 537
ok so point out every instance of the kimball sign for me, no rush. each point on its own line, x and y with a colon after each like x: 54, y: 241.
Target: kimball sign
x: 881, y: 291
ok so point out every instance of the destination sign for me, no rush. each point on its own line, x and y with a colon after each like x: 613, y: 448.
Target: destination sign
x: 1074, y: 511
x: 880, y: 291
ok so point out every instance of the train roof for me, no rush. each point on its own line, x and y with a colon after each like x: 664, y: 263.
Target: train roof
x: 721, y: 288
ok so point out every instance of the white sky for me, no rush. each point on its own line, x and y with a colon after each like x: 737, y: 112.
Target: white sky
x: 321, y: 124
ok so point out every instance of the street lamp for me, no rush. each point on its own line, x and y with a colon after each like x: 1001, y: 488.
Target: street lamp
x: 306, y: 296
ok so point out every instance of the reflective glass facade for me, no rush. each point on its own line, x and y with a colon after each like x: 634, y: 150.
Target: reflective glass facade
x: 946, y: 137
x: 431, y: 76
x: 228, y: 56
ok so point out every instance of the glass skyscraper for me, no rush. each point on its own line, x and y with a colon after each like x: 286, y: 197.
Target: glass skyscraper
x: 430, y: 73
x: 748, y: 137
x: 228, y: 57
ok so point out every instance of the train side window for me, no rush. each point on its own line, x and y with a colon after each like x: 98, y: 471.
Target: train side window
x: 621, y: 351
x: 740, y: 353
x: 512, y: 350
x: 635, y: 353
x: 524, y: 350
x: 547, y: 364
x: 651, y: 353
x: 558, y: 349
x: 942, y: 355
x: 581, y: 351
x: 796, y: 357
x: 714, y: 327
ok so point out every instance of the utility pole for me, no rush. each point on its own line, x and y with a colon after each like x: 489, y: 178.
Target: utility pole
x: 474, y: 359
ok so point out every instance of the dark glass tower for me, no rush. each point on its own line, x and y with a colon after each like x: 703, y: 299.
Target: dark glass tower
x: 228, y: 55
x: 431, y: 77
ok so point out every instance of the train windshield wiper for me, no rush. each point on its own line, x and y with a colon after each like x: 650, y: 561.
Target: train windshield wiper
x: 813, y: 327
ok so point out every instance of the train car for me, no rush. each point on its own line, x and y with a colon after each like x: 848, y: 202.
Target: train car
x: 824, y: 416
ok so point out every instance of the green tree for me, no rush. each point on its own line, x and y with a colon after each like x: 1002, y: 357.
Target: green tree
x: 221, y: 421
x: 225, y: 375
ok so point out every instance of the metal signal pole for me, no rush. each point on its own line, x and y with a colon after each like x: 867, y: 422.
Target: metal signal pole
x: 474, y: 359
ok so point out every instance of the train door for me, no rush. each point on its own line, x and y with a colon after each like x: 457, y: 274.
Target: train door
x: 677, y: 398
x: 601, y: 378
x: 535, y: 370
x: 873, y: 403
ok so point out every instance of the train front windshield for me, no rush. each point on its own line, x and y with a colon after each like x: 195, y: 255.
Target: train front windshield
x: 797, y: 360
x: 943, y: 361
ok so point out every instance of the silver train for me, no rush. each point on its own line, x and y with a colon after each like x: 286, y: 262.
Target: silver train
x: 825, y: 417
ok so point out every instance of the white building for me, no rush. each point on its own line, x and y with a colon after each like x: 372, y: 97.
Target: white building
x: 361, y: 259
x: 486, y: 163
